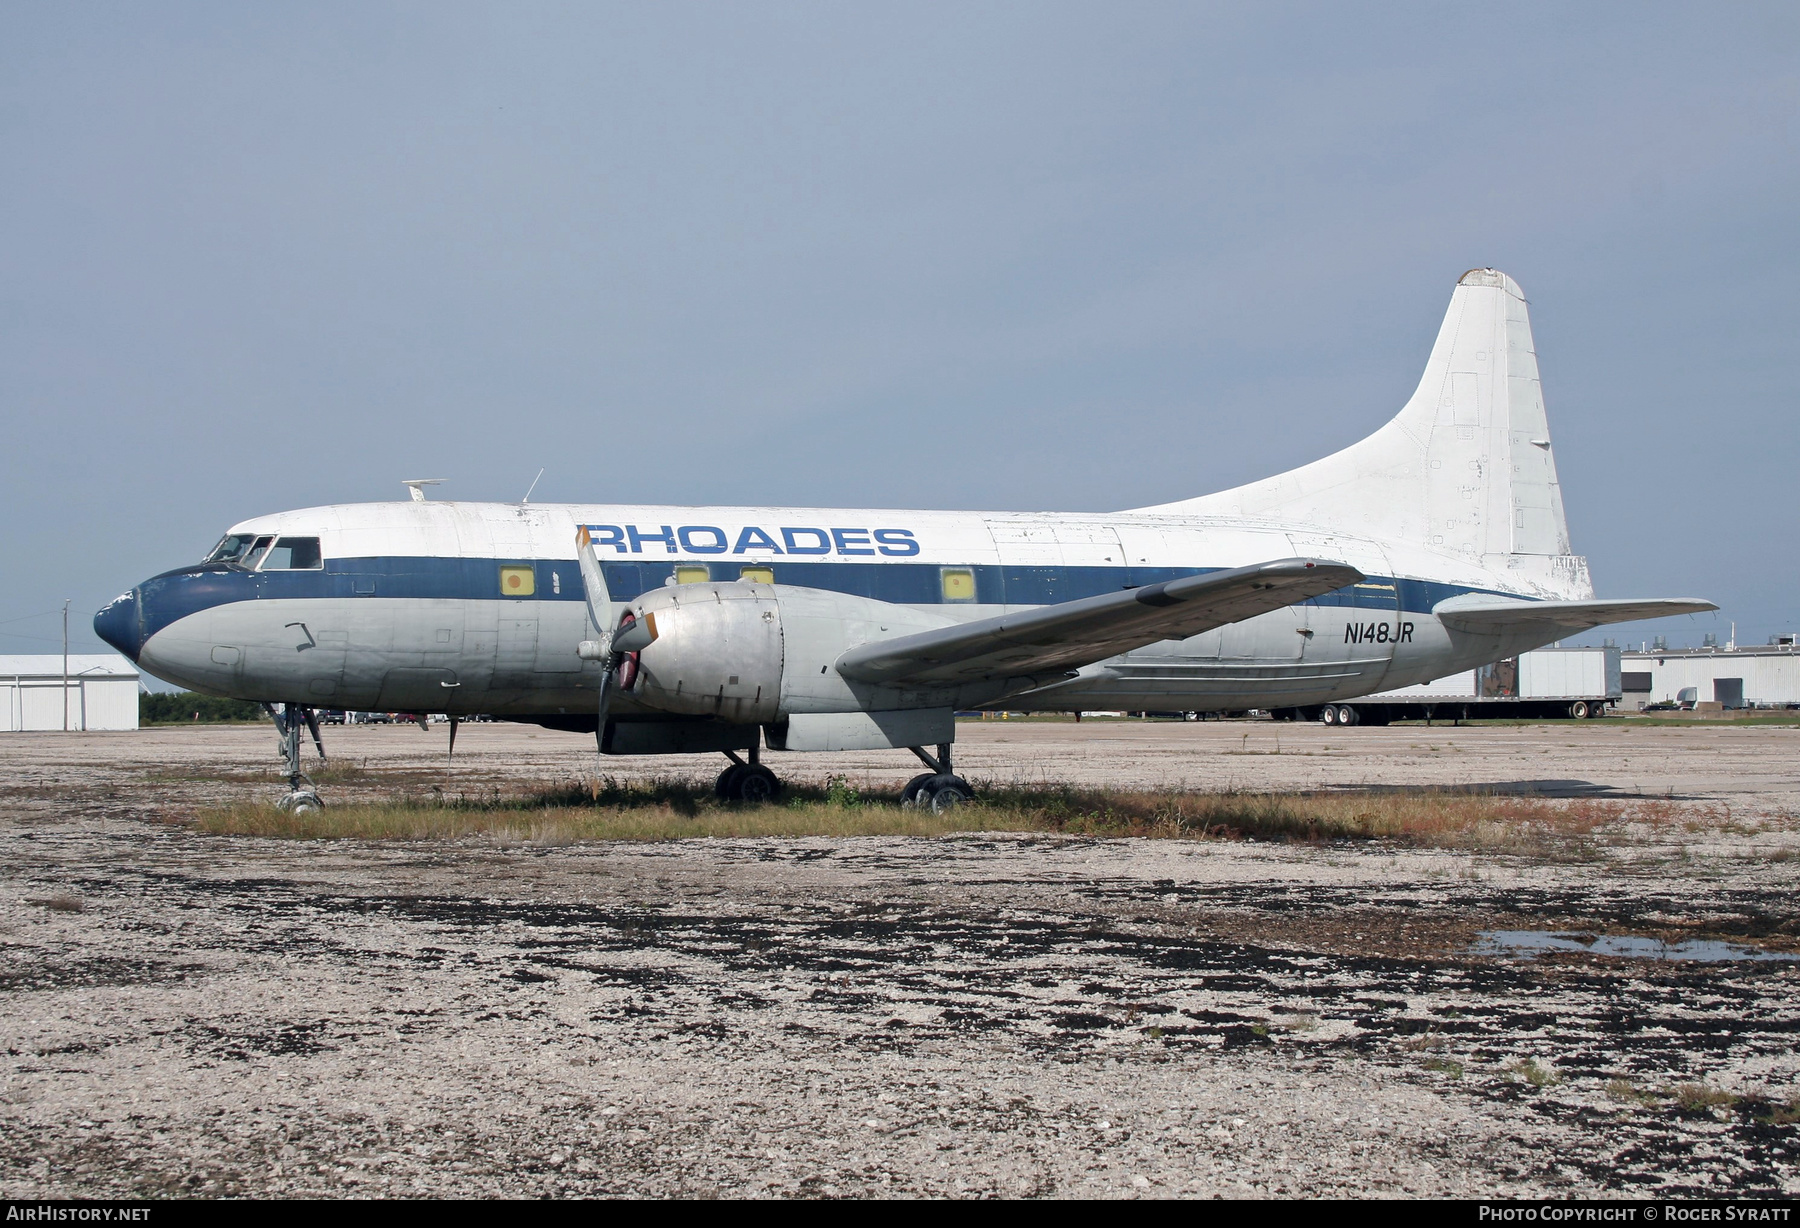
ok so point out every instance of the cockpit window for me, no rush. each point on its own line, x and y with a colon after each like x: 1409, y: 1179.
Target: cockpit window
x: 231, y: 548
x: 258, y: 548
x: 292, y: 554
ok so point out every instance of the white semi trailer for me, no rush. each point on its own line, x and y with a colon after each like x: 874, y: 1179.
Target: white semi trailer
x: 1553, y: 682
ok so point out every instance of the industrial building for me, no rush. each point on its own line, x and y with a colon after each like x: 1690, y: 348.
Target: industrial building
x: 1732, y: 676
x: 98, y: 691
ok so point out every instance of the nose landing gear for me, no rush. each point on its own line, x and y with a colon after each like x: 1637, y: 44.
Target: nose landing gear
x: 289, y: 719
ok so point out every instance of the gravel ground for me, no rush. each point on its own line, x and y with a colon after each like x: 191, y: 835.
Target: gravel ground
x: 978, y: 1015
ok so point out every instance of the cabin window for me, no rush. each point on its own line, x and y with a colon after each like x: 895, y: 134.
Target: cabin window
x: 692, y: 575
x: 293, y: 554
x: 959, y: 584
x: 758, y: 575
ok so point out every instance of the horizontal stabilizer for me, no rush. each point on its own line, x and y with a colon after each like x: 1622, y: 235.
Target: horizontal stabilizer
x: 1494, y: 615
x: 1050, y: 641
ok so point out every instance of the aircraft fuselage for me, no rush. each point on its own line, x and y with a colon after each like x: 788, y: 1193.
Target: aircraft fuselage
x: 469, y: 608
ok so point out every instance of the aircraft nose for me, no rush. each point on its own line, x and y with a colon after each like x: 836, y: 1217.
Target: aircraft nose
x: 121, y: 624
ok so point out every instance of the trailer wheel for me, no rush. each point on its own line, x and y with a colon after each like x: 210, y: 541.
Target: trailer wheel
x: 1579, y: 710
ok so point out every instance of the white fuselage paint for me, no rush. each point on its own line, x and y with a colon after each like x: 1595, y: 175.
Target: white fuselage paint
x: 469, y: 654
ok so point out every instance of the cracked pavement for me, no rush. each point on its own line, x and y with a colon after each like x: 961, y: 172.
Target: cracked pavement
x: 974, y: 1015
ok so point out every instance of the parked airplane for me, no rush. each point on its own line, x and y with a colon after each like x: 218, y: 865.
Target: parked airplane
x: 1434, y: 545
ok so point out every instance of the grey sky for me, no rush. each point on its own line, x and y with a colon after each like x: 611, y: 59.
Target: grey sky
x: 255, y: 257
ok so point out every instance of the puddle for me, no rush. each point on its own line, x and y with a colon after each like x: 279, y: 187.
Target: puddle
x: 1536, y: 942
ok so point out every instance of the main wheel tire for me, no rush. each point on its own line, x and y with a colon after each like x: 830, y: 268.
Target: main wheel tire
x: 725, y: 787
x: 1348, y: 715
x: 755, y: 784
x: 1329, y: 714
x: 948, y: 792
x: 909, y: 796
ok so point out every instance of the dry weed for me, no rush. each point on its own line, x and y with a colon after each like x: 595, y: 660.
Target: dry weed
x: 1699, y: 1098
x: 1530, y: 1071
x: 673, y: 809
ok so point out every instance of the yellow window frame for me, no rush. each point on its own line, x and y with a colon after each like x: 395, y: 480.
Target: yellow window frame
x: 958, y: 583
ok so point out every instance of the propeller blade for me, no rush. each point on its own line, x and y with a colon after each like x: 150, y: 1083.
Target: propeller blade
x: 600, y: 727
x: 600, y: 612
x: 593, y: 584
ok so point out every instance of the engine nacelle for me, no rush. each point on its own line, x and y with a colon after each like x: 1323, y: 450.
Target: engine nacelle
x: 716, y: 651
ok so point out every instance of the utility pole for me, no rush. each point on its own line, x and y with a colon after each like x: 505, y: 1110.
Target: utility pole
x: 65, y: 693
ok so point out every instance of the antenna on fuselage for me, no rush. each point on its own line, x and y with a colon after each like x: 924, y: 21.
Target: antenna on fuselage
x: 532, y: 487
x: 418, y: 485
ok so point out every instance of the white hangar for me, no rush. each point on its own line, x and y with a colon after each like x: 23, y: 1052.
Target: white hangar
x: 100, y: 691
x: 1733, y: 677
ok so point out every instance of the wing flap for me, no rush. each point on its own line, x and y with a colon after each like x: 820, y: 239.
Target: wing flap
x: 1490, y: 615
x: 1053, y: 640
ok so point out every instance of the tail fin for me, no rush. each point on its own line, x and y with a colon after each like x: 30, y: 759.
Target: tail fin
x: 1464, y: 470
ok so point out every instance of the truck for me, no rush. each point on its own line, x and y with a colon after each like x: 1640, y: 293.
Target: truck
x: 1549, y: 682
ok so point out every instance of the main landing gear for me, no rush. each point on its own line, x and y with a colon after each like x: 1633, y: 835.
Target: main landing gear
x: 939, y: 789
x: 747, y: 781
x: 289, y: 720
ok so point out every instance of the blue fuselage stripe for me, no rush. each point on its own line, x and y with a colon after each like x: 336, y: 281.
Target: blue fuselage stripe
x: 176, y: 594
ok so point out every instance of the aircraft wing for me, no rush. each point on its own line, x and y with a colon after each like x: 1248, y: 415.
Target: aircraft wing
x: 1057, y: 639
x: 1476, y: 613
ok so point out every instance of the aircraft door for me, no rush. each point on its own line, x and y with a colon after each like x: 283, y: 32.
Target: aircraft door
x: 1356, y: 630
x: 480, y: 633
x: 1277, y: 637
x: 515, y: 654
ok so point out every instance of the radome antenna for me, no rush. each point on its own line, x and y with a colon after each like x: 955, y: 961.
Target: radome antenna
x: 534, y: 482
x: 418, y: 485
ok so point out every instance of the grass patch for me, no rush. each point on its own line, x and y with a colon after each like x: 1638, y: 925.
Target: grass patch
x: 1699, y: 1098
x: 58, y: 903
x: 1532, y: 1072
x: 1448, y: 1066
x: 611, y: 809
x: 1778, y: 1114
x: 1627, y: 1092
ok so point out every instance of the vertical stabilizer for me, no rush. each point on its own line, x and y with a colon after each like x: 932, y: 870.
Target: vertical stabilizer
x: 1464, y: 470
